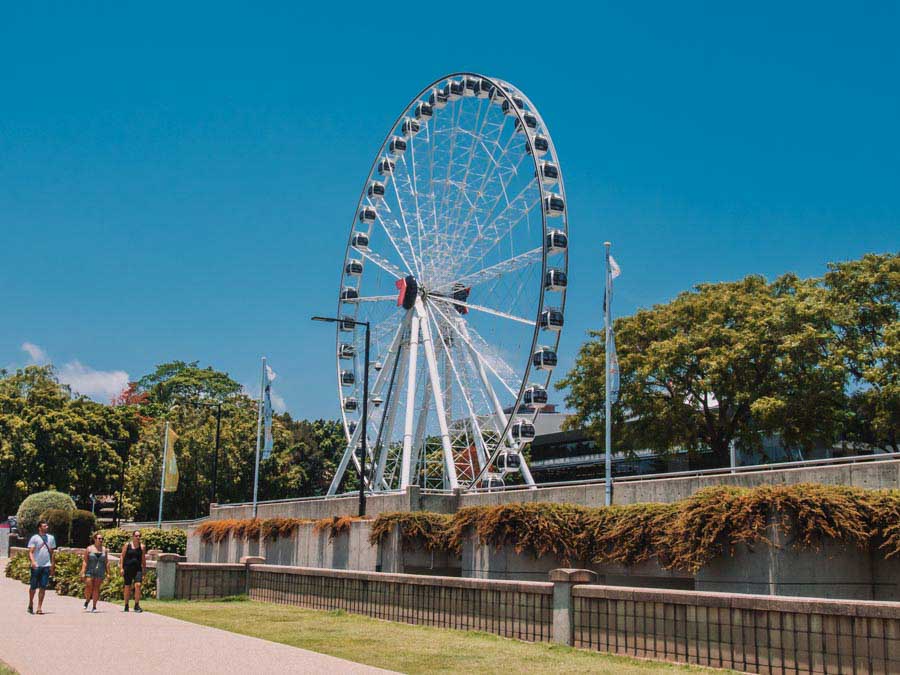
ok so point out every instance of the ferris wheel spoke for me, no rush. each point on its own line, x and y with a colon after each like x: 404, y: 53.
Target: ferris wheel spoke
x: 387, y: 230
x: 383, y: 263
x: 408, y: 239
x: 497, y: 362
x: 498, y: 270
x: 488, y: 310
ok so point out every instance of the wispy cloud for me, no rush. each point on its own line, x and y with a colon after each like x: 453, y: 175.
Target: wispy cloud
x: 36, y: 355
x: 100, y: 385
x: 278, y: 403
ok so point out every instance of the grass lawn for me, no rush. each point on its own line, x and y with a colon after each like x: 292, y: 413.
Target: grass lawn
x: 398, y: 646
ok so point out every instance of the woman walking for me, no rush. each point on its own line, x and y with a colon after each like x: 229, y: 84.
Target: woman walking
x: 93, y: 570
x: 132, y: 563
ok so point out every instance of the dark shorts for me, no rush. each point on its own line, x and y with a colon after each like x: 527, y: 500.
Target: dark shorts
x: 133, y: 576
x: 40, y: 577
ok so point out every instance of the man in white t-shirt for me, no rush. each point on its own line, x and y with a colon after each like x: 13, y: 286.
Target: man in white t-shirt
x: 41, y: 552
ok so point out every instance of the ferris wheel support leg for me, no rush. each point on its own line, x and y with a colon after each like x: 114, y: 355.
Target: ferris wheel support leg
x: 410, y: 400
x: 350, y: 451
x: 421, y: 425
x: 388, y: 429
x: 498, y: 408
x: 449, y: 465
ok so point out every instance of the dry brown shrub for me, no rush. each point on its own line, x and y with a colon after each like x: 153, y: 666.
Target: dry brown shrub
x: 885, y: 522
x: 536, y: 527
x: 336, y: 525
x: 418, y: 530
x: 626, y: 535
x: 214, y: 531
x: 272, y: 528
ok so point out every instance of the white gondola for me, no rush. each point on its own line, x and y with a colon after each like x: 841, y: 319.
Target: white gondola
x: 548, y: 172
x: 539, y: 145
x: 367, y: 215
x: 484, y: 89
x: 555, y: 279
x: 410, y: 127
x: 347, y: 324
x: 397, y: 146
x: 551, y: 319
x: 377, y: 401
x: 424, y: 111
x: 523, y: 431
x: 437, y: 99
x: 470, y: 85
x: 375, y: 190
x: 557, y: 241
x: 348, y: 378
x: 346, y: 351
x: 531, y: 122
x: 360, y: 241
x: 353, y: 268
x: 350, y: 404
x: 498, y: 95
x: 535, y: 396
x: 544, y: 359
x: 508, y: 461
x: 554, y: 205
x: 454, y: 89
x: 377, y: 365
x: 492, y: 482
x: 386, y: 166
x: 507, y: 105
x: 349, y: 294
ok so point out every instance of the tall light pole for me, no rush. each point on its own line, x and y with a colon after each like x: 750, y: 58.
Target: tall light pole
x: 365, y: 407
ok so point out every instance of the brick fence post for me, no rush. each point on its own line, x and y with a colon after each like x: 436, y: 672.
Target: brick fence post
x: 563, y: 609
x: 246, y: 561
x: 166, y: 575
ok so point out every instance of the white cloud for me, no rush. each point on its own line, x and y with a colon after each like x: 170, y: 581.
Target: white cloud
x: 278, y: 403
x: 101, y: 385
x: 36, y: 355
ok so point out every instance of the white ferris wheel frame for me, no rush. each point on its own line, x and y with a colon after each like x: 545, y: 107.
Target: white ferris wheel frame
x: 419, y: 324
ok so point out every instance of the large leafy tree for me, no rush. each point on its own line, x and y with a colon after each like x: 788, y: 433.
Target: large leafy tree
x: 725, y: 362
x: 864, y: 299
x: 51, y: 439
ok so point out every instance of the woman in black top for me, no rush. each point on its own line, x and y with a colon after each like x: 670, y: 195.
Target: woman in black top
x: 132, y: 562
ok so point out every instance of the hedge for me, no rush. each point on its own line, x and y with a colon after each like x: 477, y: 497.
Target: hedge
x: 83, y: 526
x: 684, y: 535
x: 167, y: 541
x: 33, y: 506
x: 68, y: 581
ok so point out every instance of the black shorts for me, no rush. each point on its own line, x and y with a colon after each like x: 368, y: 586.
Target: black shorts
x: 133, y: 575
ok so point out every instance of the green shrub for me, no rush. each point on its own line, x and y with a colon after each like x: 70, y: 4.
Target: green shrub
x: 60, y: 522
x: 68, y: 581
x: 84, y: 524
x: 167, y: 541
x: 33, y: 506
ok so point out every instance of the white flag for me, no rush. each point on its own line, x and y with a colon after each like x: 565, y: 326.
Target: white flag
x: 614, y: 269
x: 269, y: 442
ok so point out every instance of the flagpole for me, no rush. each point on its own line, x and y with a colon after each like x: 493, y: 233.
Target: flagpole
x: 162, y: 476
x: 608, y: 404
x: 262, y: 391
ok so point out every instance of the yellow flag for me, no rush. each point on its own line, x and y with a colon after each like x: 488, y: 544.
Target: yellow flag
x: 170, y: 484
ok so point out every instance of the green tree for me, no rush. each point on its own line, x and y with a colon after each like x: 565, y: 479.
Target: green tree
x: 725, y: 362
x: 864, y: 300
x: 50, y: 439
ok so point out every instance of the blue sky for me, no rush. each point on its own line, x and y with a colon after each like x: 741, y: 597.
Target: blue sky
x: 179, y: 184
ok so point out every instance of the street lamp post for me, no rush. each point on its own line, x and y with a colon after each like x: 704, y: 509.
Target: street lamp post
x: 365, y: 407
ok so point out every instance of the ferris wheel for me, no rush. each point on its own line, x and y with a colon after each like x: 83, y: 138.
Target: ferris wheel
x: 457, y: 258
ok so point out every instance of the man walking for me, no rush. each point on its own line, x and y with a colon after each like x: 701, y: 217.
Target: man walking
x: 42, y: 553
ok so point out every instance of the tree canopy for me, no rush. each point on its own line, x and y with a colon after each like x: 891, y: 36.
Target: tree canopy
x: 735, y: 361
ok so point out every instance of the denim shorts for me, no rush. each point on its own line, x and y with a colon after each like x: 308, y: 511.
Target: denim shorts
x: 40, y: 577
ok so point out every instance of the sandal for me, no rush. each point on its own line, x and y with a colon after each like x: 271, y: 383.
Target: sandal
x: 40, y: 611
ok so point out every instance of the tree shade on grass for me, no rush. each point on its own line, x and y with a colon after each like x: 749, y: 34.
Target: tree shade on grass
x: 398, y: 646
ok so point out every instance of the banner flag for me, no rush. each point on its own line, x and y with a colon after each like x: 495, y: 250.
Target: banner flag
x: 269, y: 440
x: 613, y: 368
x: 170, y: 480
x: 614, y: 269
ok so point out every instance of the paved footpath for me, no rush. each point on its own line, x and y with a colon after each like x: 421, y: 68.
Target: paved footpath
x: 68, y: 640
